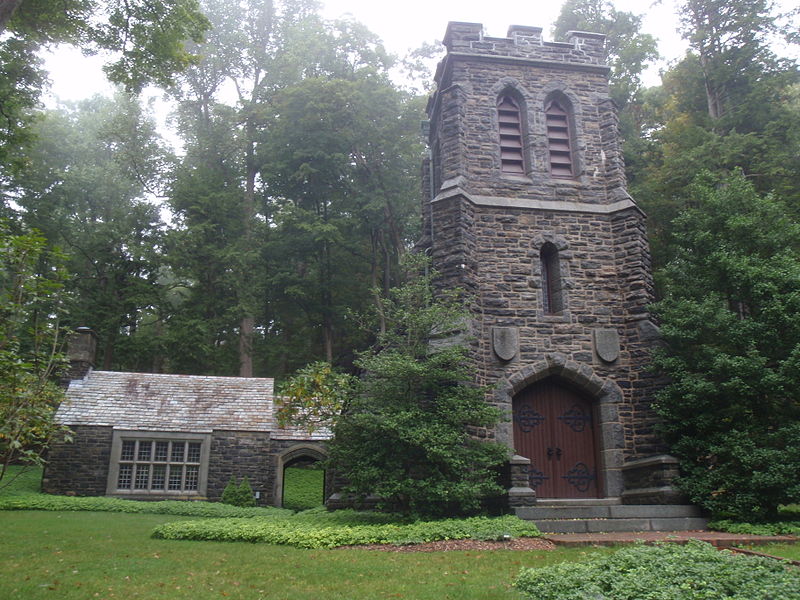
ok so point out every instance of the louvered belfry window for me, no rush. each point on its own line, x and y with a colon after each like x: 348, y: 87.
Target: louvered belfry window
x: 559, y: 140
x: 508, y: 117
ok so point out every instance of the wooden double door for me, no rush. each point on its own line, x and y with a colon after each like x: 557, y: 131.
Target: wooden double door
x: 554, y: 427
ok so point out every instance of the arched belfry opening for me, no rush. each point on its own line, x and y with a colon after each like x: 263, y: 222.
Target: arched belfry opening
x: 560, y: 137
x: 555, y: 427
x: 511, y: 129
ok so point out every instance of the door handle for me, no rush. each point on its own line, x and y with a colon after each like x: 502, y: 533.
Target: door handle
x: 554, y: 451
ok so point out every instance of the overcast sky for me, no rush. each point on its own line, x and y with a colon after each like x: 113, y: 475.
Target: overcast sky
x: 403, y: 26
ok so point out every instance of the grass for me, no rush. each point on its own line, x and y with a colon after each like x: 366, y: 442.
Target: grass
x: 303, y: 488
x: 83, y: 555
x: 790, y: 551
x: 314, y: 528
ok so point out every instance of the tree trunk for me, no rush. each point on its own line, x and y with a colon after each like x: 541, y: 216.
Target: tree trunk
x: 247, y: 325
x: 248, y: 322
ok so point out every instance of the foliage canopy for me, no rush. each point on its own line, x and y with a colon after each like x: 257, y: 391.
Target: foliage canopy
x: 405, y: 433
x: 31, y: 279
x: 731, y: 324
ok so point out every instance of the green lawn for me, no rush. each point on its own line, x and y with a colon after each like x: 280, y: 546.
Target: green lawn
x: 84, y: 555
x: 80, y: 555
x: 790, y: 551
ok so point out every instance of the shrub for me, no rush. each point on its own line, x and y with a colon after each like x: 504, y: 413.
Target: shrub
x: 164, y: 507
x: 776, y: 528
x: 730, y: 320
x: 230, y: 495
x: 696, y: 571
x: 246, y: 496
x: 240, y: 494
x: 404, y: 435
x: 23, y: 494
x: 316, y: 529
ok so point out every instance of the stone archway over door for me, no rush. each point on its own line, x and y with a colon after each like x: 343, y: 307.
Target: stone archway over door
x: 299, y: 453
x: 554, y: 427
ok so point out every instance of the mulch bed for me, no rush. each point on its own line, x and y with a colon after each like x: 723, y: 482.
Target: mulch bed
x: 524, y: 543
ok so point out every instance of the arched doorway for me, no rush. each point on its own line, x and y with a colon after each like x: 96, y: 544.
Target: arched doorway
x: 554, y: 427
x: 301, y: 480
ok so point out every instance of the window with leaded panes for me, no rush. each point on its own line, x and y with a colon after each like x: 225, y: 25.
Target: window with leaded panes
x: 158, y: 463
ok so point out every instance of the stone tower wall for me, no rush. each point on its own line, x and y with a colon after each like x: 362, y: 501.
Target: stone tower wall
x: 485, y: 229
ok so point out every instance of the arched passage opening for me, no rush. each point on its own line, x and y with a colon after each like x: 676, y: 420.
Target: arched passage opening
x: 301, y: 478
x: 555, y: 426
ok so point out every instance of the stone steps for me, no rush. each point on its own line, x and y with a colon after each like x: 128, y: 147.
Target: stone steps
x: 586, y: 517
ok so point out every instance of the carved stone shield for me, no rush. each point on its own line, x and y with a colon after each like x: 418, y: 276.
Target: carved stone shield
x: 505, y: 342
x: 606, y: 344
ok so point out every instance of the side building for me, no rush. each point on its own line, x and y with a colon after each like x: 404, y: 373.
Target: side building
x: 526, y: 210
x: 149, y: 436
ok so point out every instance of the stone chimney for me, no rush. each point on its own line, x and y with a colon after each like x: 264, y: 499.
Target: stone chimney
x: 81, y: 348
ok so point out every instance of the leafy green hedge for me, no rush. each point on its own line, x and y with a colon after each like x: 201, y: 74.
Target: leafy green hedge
x: 21, y: 492
x: 315, y: 530
x: 162, y: 507
x: 302, y: 488
x: 777, y: 528
x: 696, y: 571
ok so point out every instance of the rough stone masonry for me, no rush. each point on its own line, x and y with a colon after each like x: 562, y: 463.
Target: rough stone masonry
x: 485, y: 230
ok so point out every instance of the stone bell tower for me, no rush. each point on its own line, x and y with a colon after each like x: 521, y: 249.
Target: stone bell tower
x: 526, y: 210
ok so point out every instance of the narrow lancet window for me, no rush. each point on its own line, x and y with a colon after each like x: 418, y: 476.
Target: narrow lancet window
x: 559, y: 140
x: 552, y: 291
x: 509, y: 120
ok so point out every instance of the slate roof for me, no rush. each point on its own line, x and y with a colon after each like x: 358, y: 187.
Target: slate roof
x: 187, y: 403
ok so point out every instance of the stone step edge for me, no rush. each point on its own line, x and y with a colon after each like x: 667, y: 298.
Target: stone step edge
x: 620, y: 525
x: 635, y: 511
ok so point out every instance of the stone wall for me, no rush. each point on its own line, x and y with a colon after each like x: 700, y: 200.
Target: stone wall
x: 79, y: 468
x: 494, y: 257
x: 464, y: 125
x: 485, y: 230
x: 240, y: 454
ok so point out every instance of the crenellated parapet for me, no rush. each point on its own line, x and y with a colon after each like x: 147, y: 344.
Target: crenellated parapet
x: 522, y: 42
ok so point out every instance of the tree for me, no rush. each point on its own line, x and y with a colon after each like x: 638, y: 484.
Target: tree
x: 31, y: 280
x: 314, y: 397
x: 269, y: 258
x: 341, y: 162
x: 728, y: 104
x: 629, y: 51
x: 731, y: 41
x: 405, y: 432
x: 145, y: 38
x: 731, y: 325
x: 91, y: 168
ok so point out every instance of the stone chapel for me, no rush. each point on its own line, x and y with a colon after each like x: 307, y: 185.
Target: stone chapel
x: 525, y: 209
